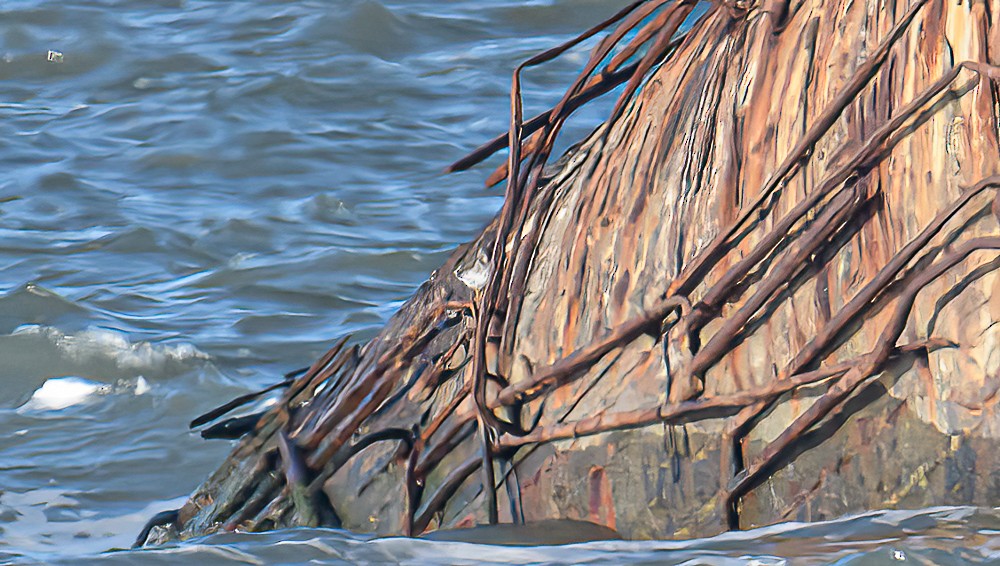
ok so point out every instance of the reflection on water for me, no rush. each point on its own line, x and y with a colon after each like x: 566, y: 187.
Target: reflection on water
x: 199, y: 195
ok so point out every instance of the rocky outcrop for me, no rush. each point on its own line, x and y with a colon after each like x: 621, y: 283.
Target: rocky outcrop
x: 763, y: 291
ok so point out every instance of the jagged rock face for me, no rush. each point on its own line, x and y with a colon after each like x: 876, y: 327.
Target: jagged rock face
x: 627, y: 220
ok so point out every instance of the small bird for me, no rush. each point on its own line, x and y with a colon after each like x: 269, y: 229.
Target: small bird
x: 477, y: 275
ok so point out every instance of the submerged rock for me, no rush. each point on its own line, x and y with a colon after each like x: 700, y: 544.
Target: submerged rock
x: 546, y: 532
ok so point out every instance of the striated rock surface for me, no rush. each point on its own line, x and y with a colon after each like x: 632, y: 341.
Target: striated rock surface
x: 766, y: 290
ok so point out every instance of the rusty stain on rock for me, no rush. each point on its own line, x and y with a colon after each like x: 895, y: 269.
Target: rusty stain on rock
x: 802, y: 195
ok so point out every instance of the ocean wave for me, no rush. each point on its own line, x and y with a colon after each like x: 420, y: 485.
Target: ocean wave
x: 35, y: 353
x: 98, y: 344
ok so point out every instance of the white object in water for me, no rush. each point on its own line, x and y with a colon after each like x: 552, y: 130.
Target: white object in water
x: 61, y: 392
x: 141, y: 386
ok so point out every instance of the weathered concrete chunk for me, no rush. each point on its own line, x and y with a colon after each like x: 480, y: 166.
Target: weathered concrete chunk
x: 763, y: 291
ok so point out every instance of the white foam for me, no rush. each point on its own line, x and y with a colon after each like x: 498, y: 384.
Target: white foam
x: 141, y: 386
x: 62, y: 392
x: 95, y: 343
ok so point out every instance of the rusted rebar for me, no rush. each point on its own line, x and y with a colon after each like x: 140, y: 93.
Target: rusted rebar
x: 721, y: 295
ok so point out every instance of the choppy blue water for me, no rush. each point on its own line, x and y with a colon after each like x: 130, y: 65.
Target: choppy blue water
x: 199, y: 195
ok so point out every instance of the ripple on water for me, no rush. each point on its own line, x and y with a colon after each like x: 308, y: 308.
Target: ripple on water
x: 771, y: 546
x: 32, y: 304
